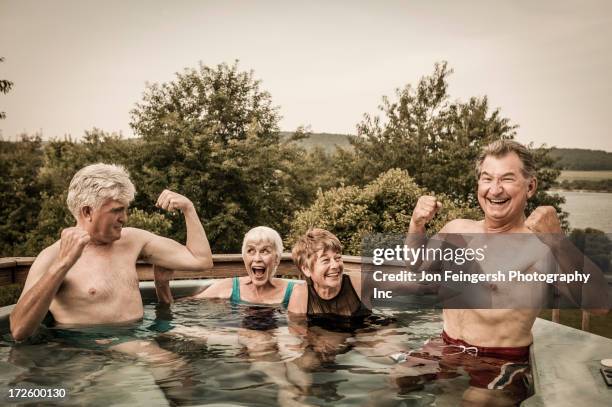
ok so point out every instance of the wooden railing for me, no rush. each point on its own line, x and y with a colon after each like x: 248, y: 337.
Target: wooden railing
x: 14, y: 270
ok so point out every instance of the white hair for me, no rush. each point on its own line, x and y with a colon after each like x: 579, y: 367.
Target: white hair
x: 95, y: 184
x: 263, y: 234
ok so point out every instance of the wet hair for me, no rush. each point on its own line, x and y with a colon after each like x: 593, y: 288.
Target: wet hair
x: 263, y: 234
x: 501, y: 148
x: 305, y: 249
x: 97, y: 183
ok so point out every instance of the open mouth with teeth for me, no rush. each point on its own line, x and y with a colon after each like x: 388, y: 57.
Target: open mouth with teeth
x: 259, y: 272
x: 333, y: 274
x: 498, y: 201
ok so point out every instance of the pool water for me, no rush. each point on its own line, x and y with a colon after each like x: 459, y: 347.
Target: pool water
x: 209, y: 352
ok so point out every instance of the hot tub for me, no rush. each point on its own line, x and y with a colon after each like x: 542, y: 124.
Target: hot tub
x: 210, y: 352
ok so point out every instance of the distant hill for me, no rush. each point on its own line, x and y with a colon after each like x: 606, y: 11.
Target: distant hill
x: 328, y: 141
x: 579, y: 159
x: 573, y: 159
x: 576, y: 159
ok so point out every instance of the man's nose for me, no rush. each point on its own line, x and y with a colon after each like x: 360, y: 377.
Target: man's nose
x: 496, y: 187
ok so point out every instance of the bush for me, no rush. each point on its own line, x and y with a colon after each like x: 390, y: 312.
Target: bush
x: 153, y: 222
x: 382, y: 206
x: 595, y: 244
x: 9, y: 294
x: 20, y: 163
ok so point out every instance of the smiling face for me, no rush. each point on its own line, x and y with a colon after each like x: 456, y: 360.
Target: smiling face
x: 260, y: 260
x: 326, y: 269
x: 503, y: 189
x: 104, y: 224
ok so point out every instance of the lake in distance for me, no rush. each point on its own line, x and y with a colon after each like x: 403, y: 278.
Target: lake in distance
x: 588, y: 209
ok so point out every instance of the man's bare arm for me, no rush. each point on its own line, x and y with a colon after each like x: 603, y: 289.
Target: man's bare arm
x: 218, y: 289
x: 44, y: 279
x: 424, y: 211
x: 195, y: 255
x: 592, y: 296
x: 162, y: 277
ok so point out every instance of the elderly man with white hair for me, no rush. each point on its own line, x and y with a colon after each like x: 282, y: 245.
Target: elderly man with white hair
x: 89, y: 275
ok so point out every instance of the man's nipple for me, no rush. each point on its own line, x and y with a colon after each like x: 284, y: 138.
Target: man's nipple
x: 92, y: 291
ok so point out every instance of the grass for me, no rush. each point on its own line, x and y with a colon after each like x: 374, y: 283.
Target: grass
x: 585, y: 175
x: 599, y: 325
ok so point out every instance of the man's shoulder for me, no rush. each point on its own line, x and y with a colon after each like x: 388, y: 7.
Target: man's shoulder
x: 50, y: 251
x: 44, y: 259
x: 132, y: 235
x: 462, y: 226
x: 129, y: 232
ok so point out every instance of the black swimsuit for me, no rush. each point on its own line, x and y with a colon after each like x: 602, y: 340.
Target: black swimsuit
x: 345, y: 304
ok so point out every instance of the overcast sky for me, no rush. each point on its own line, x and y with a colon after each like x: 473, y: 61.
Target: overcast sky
x: 82, y: 64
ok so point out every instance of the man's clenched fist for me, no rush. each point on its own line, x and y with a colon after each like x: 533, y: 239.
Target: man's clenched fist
x: 424, y: 211
x: 73, y: 241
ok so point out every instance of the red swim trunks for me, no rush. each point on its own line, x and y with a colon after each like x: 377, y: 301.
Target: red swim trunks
x: 492, y: 369
x: 520, y: 353
x: 488, y: 367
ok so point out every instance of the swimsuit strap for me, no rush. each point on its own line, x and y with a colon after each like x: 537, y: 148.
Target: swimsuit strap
x: 288, y: 292
x: 235, y: 297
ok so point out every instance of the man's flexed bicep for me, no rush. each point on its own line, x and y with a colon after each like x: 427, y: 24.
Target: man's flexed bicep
x: 195, y: 254
x: 170, y: 254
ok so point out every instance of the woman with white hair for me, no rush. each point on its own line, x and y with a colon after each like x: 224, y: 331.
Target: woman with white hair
x: 261, y: 252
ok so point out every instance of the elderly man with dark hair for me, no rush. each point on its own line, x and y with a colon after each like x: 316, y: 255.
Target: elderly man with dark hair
x: 89, y: 275
x: 506, y: 176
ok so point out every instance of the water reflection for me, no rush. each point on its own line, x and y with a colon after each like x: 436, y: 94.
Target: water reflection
x: 210, y: 352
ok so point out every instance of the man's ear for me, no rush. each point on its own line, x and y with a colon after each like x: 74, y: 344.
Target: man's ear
x: 86, y: 212
x: 532, y: 187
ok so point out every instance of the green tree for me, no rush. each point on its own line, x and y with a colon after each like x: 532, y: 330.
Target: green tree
x: 435, y: 139
x: 5, y: 87
x: 153, y: 222
x: 61, y: 160
x: 594, y: 244
x: 383, y: 206
x: 20, y: 162
x: 212, y: 134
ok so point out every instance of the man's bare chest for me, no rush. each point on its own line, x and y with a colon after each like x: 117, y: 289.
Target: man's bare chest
x: 100, y: 276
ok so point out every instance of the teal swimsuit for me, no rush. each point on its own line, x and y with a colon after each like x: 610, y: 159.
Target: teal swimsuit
x: 235, y: 297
